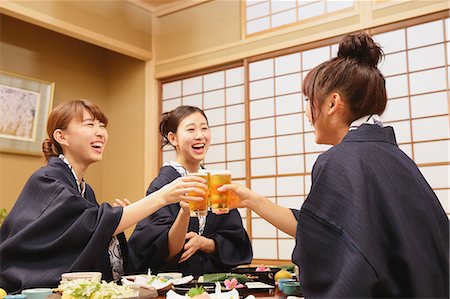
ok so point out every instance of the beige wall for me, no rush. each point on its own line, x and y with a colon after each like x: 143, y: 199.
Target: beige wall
x: 208, y: 34
x: 117, y: 25
x: 80, y: 70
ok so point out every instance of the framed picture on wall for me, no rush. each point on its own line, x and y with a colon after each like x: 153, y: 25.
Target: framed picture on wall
x: 25, y: 104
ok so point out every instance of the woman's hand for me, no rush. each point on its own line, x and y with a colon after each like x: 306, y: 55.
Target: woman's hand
x: 121, y: 203
x: 196, y: 242
x: 179, y: 189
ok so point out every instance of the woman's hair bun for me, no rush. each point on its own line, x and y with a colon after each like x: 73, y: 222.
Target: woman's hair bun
x: 360, y: 47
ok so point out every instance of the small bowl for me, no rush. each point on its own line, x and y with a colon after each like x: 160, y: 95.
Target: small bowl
x: 94, y: 276
x: 292, y: 288
x: 283, y: 281
x: 39, y: 293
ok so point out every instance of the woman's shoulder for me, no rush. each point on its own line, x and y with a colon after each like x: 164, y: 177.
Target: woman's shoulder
x: 166, y: 175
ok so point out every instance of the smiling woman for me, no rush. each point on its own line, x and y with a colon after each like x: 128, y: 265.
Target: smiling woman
x: 170, y: 240
x: 56, y: 225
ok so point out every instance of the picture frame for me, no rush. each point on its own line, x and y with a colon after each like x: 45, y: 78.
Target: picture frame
x: 25, y: 104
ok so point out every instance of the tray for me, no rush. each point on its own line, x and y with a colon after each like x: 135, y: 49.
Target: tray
x: 210, y: 287
x: 262, y: 276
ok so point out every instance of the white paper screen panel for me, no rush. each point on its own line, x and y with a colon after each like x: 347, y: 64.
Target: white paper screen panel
x: 235, y: 114
x: 214, y: 99
x: 392, y: 41
x: 289, y: 124
x: 234, y: 95
x: 427, y: 81
x: 171, y: 90
x: 265, y: 249
x: 426, y: 58
x: 286, y: 247
x: 393, y: 64
x: 287, y: 64
x: 277, y: 6
x: 214, y: 81
x: 429, y: 104
x: 261, y: 108
x: 237, y: 169
x: 236, y: 151
x: 195, y: 100
x: 430, y: 128
x: 396, y: 109
x: 235, y: 132
x: 283, y: 18
x: 192, y: 85
x: 311, y: 10
x: 234, y: 76
x: 290, y: 185
x: 291, y: 144
x: 170, y: 104
x: 217, y: 134
x: 263, y: 166
x: 258, y: 10
x: 419, y: 35
x: 288, y: 104
x: 262, y: 128
x: 265, y: 187
x: 263, y: 15
x: 262, y: 229
x: 263, y: 147
x: 290, y: 164
x: 437, y: 176
x: 432, y: 152
x: 262, y: 89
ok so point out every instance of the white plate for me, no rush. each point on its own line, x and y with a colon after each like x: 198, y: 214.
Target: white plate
x: 142, y: 281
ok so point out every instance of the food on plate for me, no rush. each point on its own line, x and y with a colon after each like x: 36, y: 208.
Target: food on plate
x: 262, y: 268
x: 84, y: 288
x: 148, y: 281
x: 2, y: 293
x: 196, y: 291
x: 282, y: 274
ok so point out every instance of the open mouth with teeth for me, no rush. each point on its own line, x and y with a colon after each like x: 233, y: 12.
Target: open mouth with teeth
x: 98, y: 146
x: 198, y: 148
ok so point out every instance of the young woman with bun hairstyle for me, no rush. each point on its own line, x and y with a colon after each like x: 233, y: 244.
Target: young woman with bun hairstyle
x: 56, y: 224
x: 170, y: 240
x: 371, y: 225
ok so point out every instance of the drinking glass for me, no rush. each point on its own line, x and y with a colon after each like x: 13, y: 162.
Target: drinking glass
x: 198, y: 208
x: 219, y: 201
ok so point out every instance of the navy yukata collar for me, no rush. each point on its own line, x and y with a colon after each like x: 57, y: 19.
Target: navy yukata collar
x: 369, y: 132
x: 63, y: 171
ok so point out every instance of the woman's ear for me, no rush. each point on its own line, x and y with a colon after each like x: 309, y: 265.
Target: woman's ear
x: 172, y: 139
x: 60, y: 137
x: 335, y: 103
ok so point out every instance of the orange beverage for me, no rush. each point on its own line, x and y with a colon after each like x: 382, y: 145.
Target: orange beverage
x: 199, y: 208
x: 208, y: 173
x: 219, y: 201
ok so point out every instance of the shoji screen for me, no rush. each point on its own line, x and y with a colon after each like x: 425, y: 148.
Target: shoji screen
x: 417, y: 79
x: 281, y: 141
x: 221, y: 95
x: 263, y: 15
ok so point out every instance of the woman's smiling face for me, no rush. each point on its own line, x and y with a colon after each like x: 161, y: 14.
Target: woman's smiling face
x: 192, y: 138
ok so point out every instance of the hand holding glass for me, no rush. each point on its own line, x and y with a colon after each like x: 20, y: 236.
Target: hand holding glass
x: 199, y: 208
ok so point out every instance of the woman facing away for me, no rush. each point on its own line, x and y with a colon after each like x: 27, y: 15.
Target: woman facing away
x: 56, y: 224
x: 371, y: 225
x: 170, y: 240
